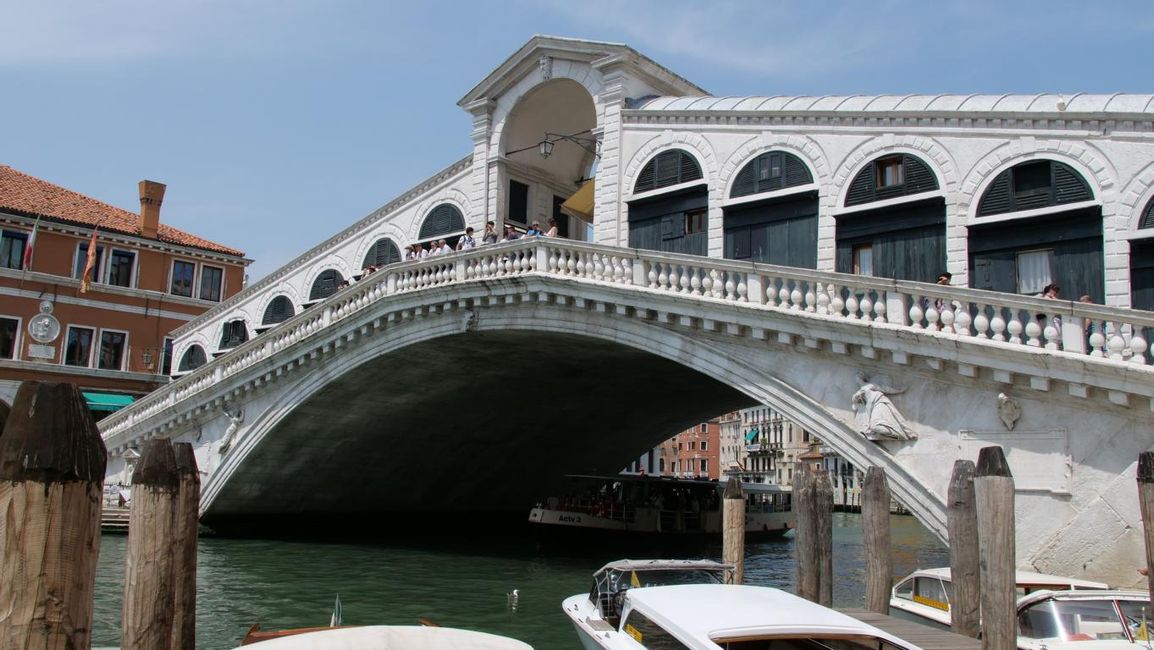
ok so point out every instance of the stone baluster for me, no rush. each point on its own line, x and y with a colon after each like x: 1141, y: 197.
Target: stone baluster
x: 730, y: 286
x: 866, y: 305
x: 836, y: 302
x: 674, y: 281
x: 1033, y: 330
x: 663, y: 275
x: 796, y: 297
x: 708, y: 283
x: 1115, y: 341
x: 961, y: 320
x: 653, y: 274
x: 917, y: 313
x: 683, y: 279
x: 1051, y: 334
x: 822, y: 299
x: 742, y: 287
x: 851, y: 305
x: 810, y: 297
x: 783, y: 293
x: 626, y: 266
x: 695, y: 281
x: 1015, y: 327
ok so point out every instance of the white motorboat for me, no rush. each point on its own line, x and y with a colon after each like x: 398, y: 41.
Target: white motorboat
x: 633, y: 605
x: 1086, y: 619
x: 926, y: 594
x: 391, y: 637
x: 660, y: 506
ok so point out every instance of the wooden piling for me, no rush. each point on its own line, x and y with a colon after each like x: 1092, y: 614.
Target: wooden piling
x: 962, y: 522
x: 823, y: 500
x: 149, y: 590
x: 875, y: 509
x: 733, y: 529
x: 1146, y: 504
x: 52, y: 464
x: 805, y: 532
x: 994, y: 498
x: 185, y: 544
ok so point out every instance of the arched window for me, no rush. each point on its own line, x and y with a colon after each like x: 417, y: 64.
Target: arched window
x: 326, y: 284
x: 383, y: 252
x: 890, y: 177
x: 667, y: 168
x: 1148, y: 216
x: 193, y: 358
x: 1031, y: 185
x: 233, y: 333
x: 444, y: 219
x: 279, y: 310
x: 774, y: 170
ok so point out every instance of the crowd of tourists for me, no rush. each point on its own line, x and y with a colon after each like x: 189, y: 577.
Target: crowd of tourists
x: 469, y: 241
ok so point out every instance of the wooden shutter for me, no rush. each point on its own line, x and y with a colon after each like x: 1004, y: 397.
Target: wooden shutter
x: 997, y: 198
x: 1069, y: 186
x: 325, y: 285
x: 193, y: 358
x: 796, y: 171
x: 383, y: 252
x: 442, y: 220
x: 667, y: 168
x: 861, y: 190
x: 278, y: 311
x: 1148, y: 216
x: 918, y: 177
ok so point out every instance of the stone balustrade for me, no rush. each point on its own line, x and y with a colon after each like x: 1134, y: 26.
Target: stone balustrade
x: 1109, y: 335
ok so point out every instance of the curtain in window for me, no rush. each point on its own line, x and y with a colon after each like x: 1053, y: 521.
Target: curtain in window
x: 1034, y: 271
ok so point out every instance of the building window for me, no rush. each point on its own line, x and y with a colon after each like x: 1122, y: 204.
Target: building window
x: 112, y: 345
x: 183, y: 276
x: 327, y: 283
x: 9, y: 330
x: 233, y: 334
x: 667, y: 168
x: 661, y: 465
x: 692, y: 445
x: 211, y: 281
x: 120, y: 267
x: 889, y: 172
x: 166, y: 357
x: 78, y: 348
x: 194, y: 357
x: 279, y: 310
x: 445, y: 219
x: 1032, y: 178
x: 12, y: 245
x: 704, y: 445
x: 704, y: 428
x: 518, y: 202
x: 863, y: 259
x: 1034, y: 271
x: 695, y: 222
x: 704, y: 465
x: 82, y: 262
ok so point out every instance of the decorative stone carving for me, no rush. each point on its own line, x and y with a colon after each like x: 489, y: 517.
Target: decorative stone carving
x: 546, y: 65
x: 1008, y: 410
x: 233, y: 430
x: 875, y: 414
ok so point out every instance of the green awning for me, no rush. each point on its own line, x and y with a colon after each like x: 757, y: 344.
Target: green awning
x: 107, y: 401
x: 751, y: 436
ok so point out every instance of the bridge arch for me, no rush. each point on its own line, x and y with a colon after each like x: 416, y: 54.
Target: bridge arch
x: 192, y: 357
x: 728, y: 382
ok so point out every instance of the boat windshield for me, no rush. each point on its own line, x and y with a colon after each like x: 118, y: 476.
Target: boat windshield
x: 815, y: 643
x: 610, y: 585
x: 1079, y: 620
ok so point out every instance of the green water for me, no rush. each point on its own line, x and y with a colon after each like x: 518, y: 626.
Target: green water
x: 459, y: 582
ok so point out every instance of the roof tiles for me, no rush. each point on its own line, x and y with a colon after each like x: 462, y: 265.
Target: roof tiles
x: 32, y: 196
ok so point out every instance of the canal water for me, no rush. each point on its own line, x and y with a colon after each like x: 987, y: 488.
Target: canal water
x: 454, y: 580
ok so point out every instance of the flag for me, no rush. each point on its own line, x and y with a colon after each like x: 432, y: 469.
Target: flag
x: 90, y: 263
x: 27, y: 262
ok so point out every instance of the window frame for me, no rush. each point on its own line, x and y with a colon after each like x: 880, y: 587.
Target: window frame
x: 99, y: 349
x: 17, y: 340
x: 856, y: 252
x: 8, y: 234
x: 200, y: 283
x: 80, y: 258
x: 132, y: 269
x: 67, y: 338
x: 167, y: 348
x: 881, y: 165
x: 172, y: 277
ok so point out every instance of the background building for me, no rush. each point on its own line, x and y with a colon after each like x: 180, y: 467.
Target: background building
x: 111, y: 336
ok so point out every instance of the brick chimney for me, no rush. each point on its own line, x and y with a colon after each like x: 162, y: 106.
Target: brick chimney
x: 151, y: 196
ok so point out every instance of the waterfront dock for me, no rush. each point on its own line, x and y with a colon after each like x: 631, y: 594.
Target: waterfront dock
x: 923, y: 636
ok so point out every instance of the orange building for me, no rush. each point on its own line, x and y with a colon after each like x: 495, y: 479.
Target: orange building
x: 693, y: 453
x: 109, y: 335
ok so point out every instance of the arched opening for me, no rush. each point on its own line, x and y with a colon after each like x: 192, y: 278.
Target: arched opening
x: 383, y: 253
x: 1142, y: 263
x: 780, y: 228
x: 537, y: 180
x: 279, y: 310
x: 676, y: 221
x: 233, y: 333
x: 905, y: 240
x: 443, y: 222
x: 1058, y: 246
x: 326, y: 284
x: 193, y: 358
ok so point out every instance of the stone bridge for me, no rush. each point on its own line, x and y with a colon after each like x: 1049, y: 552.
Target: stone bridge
x: 475, y: 380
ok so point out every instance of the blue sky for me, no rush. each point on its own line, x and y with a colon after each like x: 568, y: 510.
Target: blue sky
x: 275, y: 123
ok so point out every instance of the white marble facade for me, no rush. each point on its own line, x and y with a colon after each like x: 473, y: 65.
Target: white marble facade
x: 635, y: 109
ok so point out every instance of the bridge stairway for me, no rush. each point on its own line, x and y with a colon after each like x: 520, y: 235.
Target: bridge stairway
x: 114, y: 519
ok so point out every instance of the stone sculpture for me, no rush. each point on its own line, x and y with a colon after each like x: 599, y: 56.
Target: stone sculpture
x: 875, y: 414
x: 234, y: 422
x: 1008, y: 410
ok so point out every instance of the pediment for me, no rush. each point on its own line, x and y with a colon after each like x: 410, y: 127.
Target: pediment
x: 527, y: 60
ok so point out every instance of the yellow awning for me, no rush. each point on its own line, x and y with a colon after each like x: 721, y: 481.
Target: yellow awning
x: 580, y: 205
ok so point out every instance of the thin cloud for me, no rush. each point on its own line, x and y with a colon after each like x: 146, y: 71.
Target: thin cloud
x: 81, y: 31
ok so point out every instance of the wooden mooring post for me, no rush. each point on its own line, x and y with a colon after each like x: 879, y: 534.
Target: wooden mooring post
x: 875, y: 508
x: 52, y: 464
x: 184, y: 548
x: 994, y: 497
x: 149, y: 585
x: 805, y: 531
x: 823, y: 501
x: 733, y: 529
x: 962, y: 523
x: 1146, y: 505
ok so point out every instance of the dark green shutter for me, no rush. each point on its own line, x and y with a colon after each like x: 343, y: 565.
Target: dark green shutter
x: 233, y: 333
x: 997, y: 198
x: 383, y: 252
x: 667, y: 168
x: 442, y: 220
x: 326, y: 284
x: 1069, y: 186
x: 1148, y: 216
x: 793, y: 172
x: 278, y: 311
x: 194, y: 357
x: 861, y: 190
x: 917, y: 177
x: 1066, y: 186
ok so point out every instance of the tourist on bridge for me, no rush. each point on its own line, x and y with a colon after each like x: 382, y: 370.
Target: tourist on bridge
x: 490, y: 236
x: 468, y: 241
x: 552, y: 231
x: 511, y: 234
x: 534, y: 230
